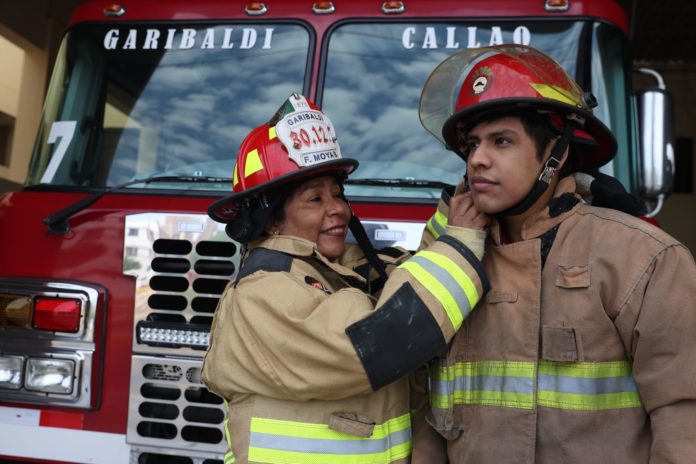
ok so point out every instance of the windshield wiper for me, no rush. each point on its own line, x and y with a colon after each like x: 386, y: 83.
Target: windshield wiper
x: 58, y: 222
x: 403, y: 182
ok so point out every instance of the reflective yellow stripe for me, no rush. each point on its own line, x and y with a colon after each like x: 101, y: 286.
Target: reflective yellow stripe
x: 493, y: 383
x: 446, y: 281
x: 556, y: 93
x: 227, y: 432
x: 587, y: 386
x: 586, y: 369
x: 229, y: 456
x: 235, y: 176
x: 437, y: 224
x: 455, y: 271
x: 271, y: 133
x: 253, y: 163
x: 574, y: 386
x: 279, y: 441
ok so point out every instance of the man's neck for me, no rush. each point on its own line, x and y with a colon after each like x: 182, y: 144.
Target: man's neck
x: 512, y: 225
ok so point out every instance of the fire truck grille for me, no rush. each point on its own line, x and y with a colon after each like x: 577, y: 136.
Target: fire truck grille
x: 155, y: 458
x: 170, y: 408
x: 181, y: 265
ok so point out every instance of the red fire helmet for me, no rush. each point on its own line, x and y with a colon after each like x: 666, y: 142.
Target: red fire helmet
x: 297, y: 143
x: 510, y: 77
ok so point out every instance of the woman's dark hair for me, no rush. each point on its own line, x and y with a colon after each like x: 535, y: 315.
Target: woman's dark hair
x: 254, y: 214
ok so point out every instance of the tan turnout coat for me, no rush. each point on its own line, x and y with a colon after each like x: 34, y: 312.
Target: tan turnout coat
x: 588, y: 358
x: 315, y: 369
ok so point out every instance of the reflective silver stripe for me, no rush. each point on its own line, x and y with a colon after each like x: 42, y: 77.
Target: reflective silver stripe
x: 588, y: 386
x: 317, y: 445
x: 446, y: 279
x: 484, y: 383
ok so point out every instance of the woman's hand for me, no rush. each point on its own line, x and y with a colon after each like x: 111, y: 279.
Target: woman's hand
x: 463, y: 213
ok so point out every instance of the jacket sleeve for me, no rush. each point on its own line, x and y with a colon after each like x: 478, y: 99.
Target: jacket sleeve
x: 279, y: 337
x: 436, y: 225
x: 664, y: 353
x: 422, y: 306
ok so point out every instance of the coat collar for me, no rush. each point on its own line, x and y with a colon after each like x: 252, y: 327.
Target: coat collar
x: 301, y: 248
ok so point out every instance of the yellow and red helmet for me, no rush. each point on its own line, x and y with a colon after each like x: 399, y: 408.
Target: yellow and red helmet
x: 510, y: 77
x: 298, y: 142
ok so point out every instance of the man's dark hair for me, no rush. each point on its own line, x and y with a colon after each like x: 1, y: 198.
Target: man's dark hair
x: 537, y: 126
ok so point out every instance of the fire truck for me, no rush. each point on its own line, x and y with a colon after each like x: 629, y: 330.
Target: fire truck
x: 111, y: 269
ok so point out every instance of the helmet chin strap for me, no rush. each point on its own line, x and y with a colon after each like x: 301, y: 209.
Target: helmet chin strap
x: 544, y: 178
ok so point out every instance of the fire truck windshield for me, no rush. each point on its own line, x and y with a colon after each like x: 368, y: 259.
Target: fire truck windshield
x: 132, y: 101
x: 375, y: 72
x: 129, y: 102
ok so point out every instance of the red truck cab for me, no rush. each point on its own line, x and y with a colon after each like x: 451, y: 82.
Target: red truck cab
x: 111, y: 269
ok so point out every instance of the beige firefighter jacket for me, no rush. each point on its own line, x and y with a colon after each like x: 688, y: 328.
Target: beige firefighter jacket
x: 312, y: 367
x: 589, y: 357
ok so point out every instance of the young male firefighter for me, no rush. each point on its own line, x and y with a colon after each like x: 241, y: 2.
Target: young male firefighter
x: 584, y: 349
x: 310, y: 357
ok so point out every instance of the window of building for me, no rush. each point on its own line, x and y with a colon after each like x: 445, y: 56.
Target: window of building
x: 7, y: 124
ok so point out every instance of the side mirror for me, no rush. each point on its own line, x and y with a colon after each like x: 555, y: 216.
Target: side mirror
x: 656, y: 141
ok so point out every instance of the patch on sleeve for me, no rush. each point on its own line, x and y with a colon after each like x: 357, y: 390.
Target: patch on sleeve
x: 397, y: 338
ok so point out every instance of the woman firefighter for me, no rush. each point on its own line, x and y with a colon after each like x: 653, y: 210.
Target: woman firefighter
x: 310, y: 348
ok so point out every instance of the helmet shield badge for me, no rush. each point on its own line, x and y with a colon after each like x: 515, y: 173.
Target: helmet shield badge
x: 307, y: 134
x: 298, y: 142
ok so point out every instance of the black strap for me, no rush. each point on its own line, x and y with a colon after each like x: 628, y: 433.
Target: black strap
x: 545, y: 175
x: 360, y: 235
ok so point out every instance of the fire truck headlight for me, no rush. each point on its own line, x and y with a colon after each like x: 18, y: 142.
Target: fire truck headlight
x: 50, y: 375
x: 11, y: 372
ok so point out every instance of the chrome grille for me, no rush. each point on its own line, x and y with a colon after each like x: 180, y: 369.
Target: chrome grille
x: 170, y: 408
x: 181, y: 265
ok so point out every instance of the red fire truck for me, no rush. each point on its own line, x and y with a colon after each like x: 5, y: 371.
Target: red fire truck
x: 111, y: 269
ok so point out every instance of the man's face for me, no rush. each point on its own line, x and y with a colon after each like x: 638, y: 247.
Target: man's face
x: 317, y: 211
x: 502, y: 165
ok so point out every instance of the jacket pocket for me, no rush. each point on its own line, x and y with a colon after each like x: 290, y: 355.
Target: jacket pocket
x: 573, y: 276
x: 560, y: 344
x: 351, y: 423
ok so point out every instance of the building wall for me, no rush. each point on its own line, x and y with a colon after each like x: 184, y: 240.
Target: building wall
x: 22, y: 87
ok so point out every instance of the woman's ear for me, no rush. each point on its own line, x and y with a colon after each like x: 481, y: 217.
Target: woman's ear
x: 271, y: 227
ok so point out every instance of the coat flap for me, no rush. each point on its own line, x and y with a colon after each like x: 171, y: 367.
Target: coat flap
x: 351, y: 423
x: 573, y: 276
x: 559, y: 344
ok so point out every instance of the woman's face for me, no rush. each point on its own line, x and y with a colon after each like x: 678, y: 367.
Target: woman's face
x: 316, y: 211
